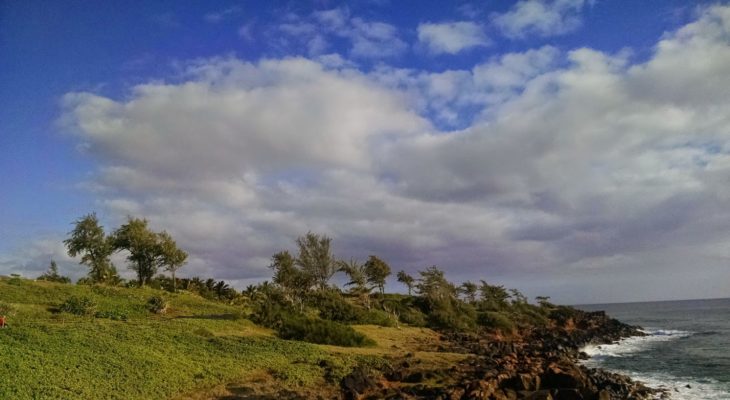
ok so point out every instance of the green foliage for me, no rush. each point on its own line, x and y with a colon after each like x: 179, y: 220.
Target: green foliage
x: 376, y: 317
x: 376, y: 271
x: 49, y: 356
x: 112, y: 315
x: 315, y: 258
x: 313, y: 330
x: 89, y: 240
x: 52, y: 275
x: 452, y: 315
x: 171, y: 258
x: 493, y: 297
x: 434, y: 288
x: 157, y: 305
x: 332, y: 306
x: 78, y: 306
x: 142, y: 245
x: 413, y: 317
x: 407, y: 280
x: 494, y: 320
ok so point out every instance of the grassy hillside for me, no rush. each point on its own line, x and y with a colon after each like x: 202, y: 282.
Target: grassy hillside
x: 197, y: 344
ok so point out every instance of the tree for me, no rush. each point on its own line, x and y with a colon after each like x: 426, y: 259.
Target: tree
x: 469, y: 289
x: 142, y: 245
x: 407, y: 280
x: 376, y: 271
x: 544, y: 301
x: 171, y: 258
x: 493, y: 297
x: 89, y: 240
x: 52, y: 275
x: 434, y: 287
x: 315, y: 258
x: 358, y: 280
x: 292, y: 280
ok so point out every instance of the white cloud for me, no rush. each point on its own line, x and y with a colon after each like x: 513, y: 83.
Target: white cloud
x: 540, y: 17
x: 571, y: 165
x: 367, y: 39
x: 451, y: 37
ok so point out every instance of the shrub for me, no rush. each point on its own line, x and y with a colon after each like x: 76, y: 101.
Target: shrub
x: 413, y: 317
x: 78, y: 306
x: 495, y: 320
x: 376, y: 317
x: 321, y: 331
x: 112, y: 315
x: 157, y: 305
x: 332, y: 306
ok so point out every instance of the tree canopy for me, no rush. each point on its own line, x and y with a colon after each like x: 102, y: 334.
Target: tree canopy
x: 95, y: 247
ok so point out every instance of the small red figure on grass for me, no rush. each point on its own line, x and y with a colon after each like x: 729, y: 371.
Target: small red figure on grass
x: 2, y: 321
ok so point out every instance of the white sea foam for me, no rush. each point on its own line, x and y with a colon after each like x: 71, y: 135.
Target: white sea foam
x: 632, y: 344
x: 679, y: 388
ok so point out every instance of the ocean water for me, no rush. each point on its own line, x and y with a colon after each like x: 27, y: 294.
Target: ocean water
x: 687, y: 350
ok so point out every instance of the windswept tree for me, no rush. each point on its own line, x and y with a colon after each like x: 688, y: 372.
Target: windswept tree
x: 434, y: 287
x: 469, y: 290
x: 492, y: 296
x: 315, y: 258
x: 358, y: 280
x: 376, y: 271
x: 407, y: 280
x: 171, y: 257
x: 88, y: 240
x: 142, y: 245
x: 293, y: 281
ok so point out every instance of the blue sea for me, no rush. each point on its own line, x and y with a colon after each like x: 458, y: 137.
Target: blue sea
x: 687, y: 350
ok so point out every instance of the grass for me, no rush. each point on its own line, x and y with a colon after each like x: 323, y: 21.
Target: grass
x: 197, y: 344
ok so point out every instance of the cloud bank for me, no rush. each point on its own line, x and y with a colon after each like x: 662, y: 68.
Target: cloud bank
x: 577, y: 163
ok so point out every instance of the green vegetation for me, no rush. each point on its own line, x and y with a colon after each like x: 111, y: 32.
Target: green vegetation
x: 197, y: 344
x: 160, y: 336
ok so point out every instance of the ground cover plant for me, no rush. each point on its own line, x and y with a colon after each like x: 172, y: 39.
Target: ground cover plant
x: 57, y: 355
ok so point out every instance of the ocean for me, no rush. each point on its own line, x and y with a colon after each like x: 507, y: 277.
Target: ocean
x: 687, y: 350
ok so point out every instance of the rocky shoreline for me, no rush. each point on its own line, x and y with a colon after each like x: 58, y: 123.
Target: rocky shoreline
x: 537, y: 365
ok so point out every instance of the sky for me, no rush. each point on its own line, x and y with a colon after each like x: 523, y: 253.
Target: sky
x: 568, y: 148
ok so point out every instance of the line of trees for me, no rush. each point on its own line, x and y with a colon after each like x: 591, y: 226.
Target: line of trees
x: 147, y: 251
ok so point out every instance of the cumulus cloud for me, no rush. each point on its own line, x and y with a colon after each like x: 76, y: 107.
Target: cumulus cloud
x: 451, y: 37
x: 569, y: 165
x: 367, y: 39
x: 540, y: 17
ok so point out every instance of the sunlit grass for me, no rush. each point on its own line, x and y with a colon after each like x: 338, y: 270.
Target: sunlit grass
x: 198, y: 344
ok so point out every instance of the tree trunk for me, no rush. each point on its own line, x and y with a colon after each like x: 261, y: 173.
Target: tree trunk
x: 174, y: 282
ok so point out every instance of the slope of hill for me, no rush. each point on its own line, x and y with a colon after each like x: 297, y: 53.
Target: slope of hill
x: 198, y: 344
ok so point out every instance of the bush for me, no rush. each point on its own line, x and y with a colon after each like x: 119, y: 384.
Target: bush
x: 376, y: 317
x: 495, y: 320
x: 157, y: 305
x: 332, y: 306
x: 321, y: 331
x: 112, y: 315
x: 78, y: 306
x: 413, y: 317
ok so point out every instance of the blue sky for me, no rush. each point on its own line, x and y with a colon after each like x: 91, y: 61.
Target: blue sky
x: 571, y: 148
